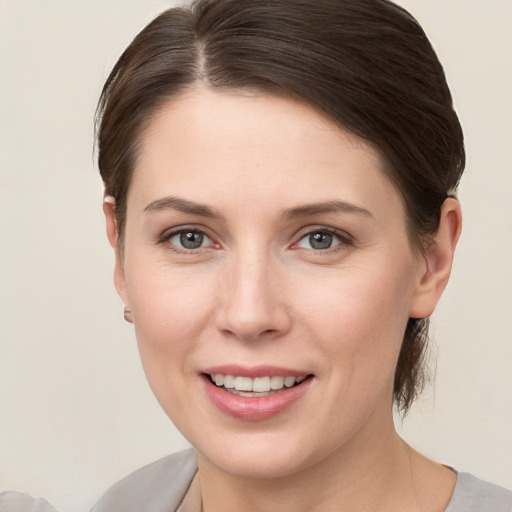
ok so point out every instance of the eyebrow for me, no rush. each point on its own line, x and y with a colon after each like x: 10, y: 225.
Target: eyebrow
x: 193, y: 208
x: 325, y: 207
x: 182, y: 205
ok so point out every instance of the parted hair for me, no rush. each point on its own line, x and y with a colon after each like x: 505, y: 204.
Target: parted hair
x: 366, y: 64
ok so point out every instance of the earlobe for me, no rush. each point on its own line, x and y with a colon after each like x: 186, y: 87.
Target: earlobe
x: 435, y: 272
x: 113, y: 238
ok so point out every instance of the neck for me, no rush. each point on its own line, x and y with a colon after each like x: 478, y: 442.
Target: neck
x: 357, y: 478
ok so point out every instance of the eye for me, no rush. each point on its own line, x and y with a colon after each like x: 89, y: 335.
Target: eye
x: 320, y: 240
x: 189, y: 239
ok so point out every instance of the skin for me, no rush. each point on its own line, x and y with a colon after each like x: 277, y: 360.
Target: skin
x: 256, y: 292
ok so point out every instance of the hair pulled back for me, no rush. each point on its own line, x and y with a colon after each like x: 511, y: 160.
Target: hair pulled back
x: 366, y: 64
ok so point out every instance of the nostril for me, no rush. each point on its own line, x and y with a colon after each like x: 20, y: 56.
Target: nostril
x: 267, y: 333
x: 252, y: 320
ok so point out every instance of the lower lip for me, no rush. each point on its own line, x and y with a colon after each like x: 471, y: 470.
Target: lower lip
x: 254, y: 408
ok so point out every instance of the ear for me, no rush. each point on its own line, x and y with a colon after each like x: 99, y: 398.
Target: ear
x: 109, y: 207
x: 434, y: 271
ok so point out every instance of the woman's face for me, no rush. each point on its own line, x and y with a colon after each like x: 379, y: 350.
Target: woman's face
x: 262, y: 242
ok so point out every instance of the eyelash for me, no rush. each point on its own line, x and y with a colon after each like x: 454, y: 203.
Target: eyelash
x: 167, y: 236
x: 343, y: 239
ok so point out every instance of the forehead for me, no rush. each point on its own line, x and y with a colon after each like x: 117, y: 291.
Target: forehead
x: 245, y: 146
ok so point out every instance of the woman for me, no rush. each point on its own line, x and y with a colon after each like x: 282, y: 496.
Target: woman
x: 279, y: 193
x: 280, y: 186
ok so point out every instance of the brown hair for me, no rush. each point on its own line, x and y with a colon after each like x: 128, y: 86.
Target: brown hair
x: 367, y: 64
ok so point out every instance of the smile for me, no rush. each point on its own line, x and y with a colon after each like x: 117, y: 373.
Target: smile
x: 257, y: 387
x: 255, y: 393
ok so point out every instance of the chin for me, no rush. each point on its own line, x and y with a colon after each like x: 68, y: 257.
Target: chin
x: 261, y: 455
x: 255, y: 462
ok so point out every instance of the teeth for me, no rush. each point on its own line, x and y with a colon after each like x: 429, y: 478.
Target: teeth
x: 289, y: 382
x: 243, y: 383
x: 261, y: 384
x: 229, y: 381
x: 276, y: 382
x: 245, y: 386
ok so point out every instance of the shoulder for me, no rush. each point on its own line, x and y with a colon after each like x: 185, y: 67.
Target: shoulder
x: 474, y: 495
x: 158, y: 487
x: 17, y: 502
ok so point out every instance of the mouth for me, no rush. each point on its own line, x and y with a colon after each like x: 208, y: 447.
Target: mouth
x: 256, y: 393
x: 255, y: 387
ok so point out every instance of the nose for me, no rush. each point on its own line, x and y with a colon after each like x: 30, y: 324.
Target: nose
x: 252, y: 302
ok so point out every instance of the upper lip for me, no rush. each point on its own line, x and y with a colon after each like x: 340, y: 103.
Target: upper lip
x: 254, y: 371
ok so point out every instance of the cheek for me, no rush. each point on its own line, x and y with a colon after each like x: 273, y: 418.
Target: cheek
x: 170, y: 313
x: 171, y: 310
x: 360, y: 318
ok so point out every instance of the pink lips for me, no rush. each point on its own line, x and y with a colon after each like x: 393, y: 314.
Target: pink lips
x: 254, y: 408
x: 253, y: 371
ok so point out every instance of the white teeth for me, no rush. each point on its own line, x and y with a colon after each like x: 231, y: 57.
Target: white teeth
x: 276, y: 382
x: 245, y: 386
x: 289, y: 382
x: 261, y: 384
x: 246, y: 394
x: 243, y: 383
x: 229, y: 381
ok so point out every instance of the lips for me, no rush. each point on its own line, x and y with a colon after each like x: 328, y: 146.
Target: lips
x: 257, y: 393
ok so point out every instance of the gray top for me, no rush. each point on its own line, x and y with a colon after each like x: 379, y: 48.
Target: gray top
x: 162, y: 485
x: 17, y: 502
x: 474, y: 495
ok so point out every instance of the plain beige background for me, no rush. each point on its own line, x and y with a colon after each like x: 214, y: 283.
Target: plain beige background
x: 75, y: 411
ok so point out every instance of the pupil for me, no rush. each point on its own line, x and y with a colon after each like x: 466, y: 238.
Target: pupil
x: 191, y: 240
x: 320, y: 241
